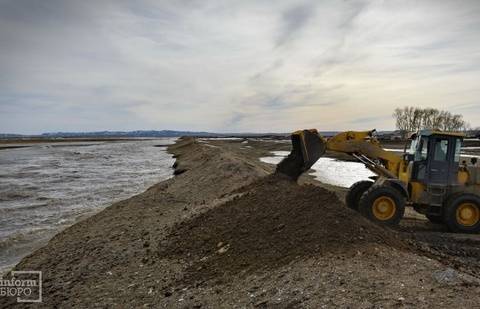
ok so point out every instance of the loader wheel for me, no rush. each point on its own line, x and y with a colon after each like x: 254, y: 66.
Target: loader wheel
x: 355, y: 193
x: 435, y: 219
x: 382, y: 204
x: 462, y: 213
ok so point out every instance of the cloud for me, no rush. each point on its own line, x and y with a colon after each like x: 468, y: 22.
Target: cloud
x: 238, y: 66
x: 293, y: 20
x: 366, y: 120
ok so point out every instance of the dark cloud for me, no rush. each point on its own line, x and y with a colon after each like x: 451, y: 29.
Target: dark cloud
x: 43, y: 12
x: 293, y: 20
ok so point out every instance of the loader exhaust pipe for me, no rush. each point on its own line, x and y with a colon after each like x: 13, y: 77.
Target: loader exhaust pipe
x: 307, y: 147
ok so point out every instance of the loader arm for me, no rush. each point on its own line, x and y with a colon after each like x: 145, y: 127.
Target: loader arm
x: 308, y: 146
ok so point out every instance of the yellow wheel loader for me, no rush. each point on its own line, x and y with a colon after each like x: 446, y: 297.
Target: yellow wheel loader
x: 428, y: 176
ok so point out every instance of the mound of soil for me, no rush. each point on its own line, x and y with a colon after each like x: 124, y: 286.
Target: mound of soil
x: 271, y: 223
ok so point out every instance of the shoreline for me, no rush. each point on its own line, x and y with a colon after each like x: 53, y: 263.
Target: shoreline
x: 6, y: 144
x: 147, y: 250
x: 46, y: 189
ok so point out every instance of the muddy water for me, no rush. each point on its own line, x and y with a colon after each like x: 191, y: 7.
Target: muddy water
x: 330, y: 171
x: 47, y: 187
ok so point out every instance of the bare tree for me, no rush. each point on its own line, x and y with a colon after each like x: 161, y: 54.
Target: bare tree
x: 401, y: 120
x: 410, y: 118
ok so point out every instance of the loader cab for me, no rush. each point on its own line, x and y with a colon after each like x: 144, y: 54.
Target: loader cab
x: 436, y: 157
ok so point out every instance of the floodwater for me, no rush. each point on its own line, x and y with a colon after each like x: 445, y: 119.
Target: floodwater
x: 329, y: 170
x: 48, y: 187
x: 336, y: 172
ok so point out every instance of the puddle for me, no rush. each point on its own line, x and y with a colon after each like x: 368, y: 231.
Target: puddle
x: 328, y: 170
x: 340, y: 173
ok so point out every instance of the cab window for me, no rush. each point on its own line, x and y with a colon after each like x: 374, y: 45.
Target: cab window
x: 458, y: 148
x: 441, y: 150
x: 424, y: 149
x: 421, y: 152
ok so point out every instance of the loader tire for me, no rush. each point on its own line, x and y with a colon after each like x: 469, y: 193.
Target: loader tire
x: 383, y: 205
x: 355, y: 193
x: 462, y: 213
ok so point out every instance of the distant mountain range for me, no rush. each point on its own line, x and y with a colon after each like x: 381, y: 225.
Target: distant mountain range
x: 157, y: 133
x: 138, y: 133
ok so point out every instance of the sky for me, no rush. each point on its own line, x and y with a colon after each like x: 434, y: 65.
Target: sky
x: 233, y: 66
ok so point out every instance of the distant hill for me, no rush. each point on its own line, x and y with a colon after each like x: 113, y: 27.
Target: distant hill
x: 140, y: 133
x: 160, y: 133
x: 7, y: 135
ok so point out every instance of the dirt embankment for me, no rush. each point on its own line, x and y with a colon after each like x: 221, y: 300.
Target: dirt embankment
x: 225, y: 233
x: 270, y: 223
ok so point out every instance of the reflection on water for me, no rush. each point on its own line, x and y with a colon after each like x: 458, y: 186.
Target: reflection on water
x: 47, y: 187
x: 330, y: 171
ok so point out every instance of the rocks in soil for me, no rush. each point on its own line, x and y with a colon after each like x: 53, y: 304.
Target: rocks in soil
x: 274, y: 222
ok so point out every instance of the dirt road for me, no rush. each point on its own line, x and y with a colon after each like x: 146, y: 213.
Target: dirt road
x: 225, y: 233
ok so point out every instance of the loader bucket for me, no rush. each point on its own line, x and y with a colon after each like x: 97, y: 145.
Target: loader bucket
x: 307, y: 148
